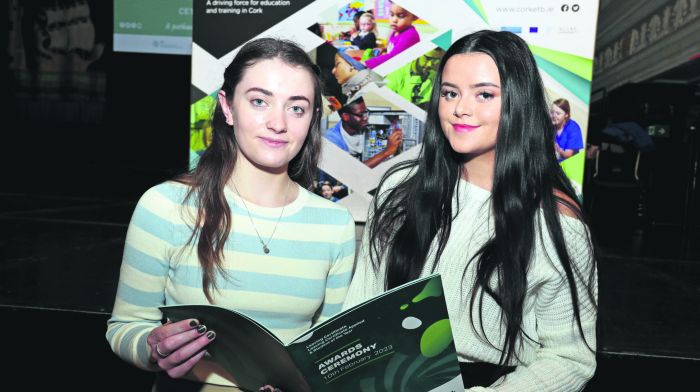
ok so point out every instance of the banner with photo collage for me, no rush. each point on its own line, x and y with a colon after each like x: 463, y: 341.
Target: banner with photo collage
x: 378, y: 77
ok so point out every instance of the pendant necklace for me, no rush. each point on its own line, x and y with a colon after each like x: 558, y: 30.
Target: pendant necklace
x: 264, y: 244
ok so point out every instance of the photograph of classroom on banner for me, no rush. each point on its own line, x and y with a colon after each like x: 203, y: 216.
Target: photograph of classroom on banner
x: 378, y: 60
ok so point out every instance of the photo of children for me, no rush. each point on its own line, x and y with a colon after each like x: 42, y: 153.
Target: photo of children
x: 366, y: 37
x: 375, y: 35
x: 340, y: 27
x: 403, y: 36
x: 414, y: 81
x: 325, y: 189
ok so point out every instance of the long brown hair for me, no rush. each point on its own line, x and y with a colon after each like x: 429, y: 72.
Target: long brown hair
x: 215, y: 167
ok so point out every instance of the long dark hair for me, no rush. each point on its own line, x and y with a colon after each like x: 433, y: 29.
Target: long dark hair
x: 406, y: 219
x: 215, y: 167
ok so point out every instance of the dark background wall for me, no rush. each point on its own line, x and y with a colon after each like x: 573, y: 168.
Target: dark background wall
x: 644, y: 203
x: 141, y: 139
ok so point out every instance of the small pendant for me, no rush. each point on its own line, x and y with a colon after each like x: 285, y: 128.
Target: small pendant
x: 266, y: 249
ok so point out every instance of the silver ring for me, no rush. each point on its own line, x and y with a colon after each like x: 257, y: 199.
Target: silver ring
x: 160, y: 354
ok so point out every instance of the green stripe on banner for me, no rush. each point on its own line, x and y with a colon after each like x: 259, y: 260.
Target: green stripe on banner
x: 478, y: 8
x: 577, y: 65
x: 444, y: 40
x: 579, y: 86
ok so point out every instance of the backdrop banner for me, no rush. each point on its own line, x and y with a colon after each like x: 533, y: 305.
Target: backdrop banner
x: 379, y: 94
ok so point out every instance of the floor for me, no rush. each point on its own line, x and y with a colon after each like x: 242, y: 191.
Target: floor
x: 59, y: 264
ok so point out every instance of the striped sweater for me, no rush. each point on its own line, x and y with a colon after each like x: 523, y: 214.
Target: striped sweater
x: 301, y: 281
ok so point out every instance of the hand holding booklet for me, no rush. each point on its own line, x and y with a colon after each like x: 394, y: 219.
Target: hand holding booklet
x: 398, y: 341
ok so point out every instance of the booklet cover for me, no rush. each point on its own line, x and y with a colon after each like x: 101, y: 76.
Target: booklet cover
x: 398, y: 341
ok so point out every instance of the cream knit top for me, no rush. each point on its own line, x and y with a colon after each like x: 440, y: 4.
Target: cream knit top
x: 558, y: 358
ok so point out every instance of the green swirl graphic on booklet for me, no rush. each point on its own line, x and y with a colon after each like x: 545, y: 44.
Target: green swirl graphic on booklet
x: 397, y: 341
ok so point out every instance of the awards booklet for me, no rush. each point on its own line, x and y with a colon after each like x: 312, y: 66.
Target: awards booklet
x: 397, y: 341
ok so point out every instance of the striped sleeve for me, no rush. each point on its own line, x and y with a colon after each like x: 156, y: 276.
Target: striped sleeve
x: 142, y: 279
x: 340, y: 272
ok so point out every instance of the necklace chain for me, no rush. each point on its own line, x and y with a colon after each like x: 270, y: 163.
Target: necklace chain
x: 264, y: 244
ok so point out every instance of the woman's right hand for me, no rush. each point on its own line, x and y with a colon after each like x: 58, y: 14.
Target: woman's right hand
x: 177, y: 347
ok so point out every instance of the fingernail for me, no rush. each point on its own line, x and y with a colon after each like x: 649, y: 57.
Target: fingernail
x: 201, y: 329
x: 193, y: 323
x: 211, y: 335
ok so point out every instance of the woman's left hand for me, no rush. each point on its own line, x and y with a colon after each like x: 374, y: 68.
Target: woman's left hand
x: 177, y: 347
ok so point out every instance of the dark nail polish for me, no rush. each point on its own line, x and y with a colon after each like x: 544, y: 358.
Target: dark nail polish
x: 193, y: 323
x: 211, y: 335
x: 201, y: 329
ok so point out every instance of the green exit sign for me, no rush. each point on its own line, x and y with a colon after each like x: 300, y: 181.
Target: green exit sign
x: 659, y: 130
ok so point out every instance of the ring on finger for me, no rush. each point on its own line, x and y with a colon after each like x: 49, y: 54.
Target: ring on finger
x: 160, y: 354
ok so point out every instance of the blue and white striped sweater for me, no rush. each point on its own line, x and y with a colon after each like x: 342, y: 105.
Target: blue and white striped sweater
x: 302, y: 280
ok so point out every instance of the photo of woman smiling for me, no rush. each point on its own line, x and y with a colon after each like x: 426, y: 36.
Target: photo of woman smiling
x: 488, y: 207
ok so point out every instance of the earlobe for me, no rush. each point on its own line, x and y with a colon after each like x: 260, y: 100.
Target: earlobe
x: 225, y: 107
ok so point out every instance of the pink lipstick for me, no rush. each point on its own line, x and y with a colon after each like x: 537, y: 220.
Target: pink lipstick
x: 464, y: 128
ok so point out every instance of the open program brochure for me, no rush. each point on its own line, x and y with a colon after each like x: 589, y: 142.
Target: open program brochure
x: 398, y: 341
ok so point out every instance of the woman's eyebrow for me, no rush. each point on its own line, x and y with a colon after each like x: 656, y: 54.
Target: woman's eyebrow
x: 476, y: 85
x: 299, y: 98
x: 270, y: 94
x: 485, y: 84
x: 260, y: 90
